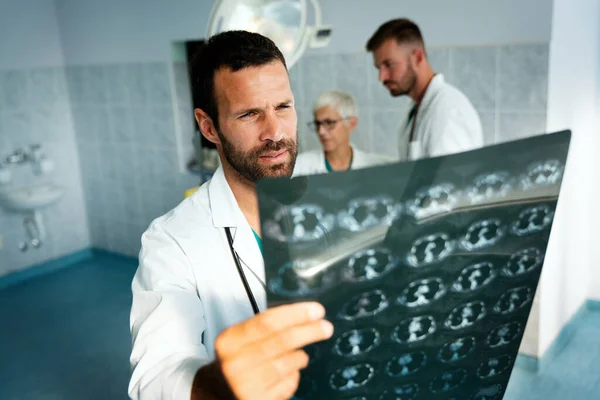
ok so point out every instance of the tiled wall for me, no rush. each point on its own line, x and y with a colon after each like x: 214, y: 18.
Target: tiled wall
x: 507, y: 85
x: 34, y: 108
x: 125, y: 127
x: 125, y: 118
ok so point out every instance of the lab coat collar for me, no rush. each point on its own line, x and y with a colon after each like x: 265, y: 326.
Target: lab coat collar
x: 227, y: 213
x: 434, y: 85
x: 225, y: 210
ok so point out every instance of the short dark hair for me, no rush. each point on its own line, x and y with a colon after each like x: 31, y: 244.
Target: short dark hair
x: 235, y: 50
x: 401, y: 29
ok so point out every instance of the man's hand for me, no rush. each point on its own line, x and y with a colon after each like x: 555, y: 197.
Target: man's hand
x: 261, y: 358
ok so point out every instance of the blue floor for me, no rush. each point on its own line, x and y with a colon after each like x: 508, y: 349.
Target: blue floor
x: 66, y: 336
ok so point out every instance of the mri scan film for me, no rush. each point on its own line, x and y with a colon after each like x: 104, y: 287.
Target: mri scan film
x: 428, y: 269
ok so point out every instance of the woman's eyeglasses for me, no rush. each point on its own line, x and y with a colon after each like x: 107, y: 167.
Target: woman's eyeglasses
x: 328, y: 124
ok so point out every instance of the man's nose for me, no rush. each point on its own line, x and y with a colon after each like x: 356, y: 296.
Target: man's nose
x: 272, y: 128
x: 383, y: 75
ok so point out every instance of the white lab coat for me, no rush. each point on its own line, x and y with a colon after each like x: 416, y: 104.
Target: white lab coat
x: 313, y: 161
x: 187, y: 290
x: 446, y: 123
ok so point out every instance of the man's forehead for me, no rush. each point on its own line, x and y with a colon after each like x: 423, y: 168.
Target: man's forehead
x: 252, y: 87
x: 253, y: 77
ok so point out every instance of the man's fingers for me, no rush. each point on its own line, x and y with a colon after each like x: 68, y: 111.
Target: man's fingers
x: 269, y: 349
x: 286, y: 387
x: 266, y: 324
x: 282, y: 367
x: 289, y: 340
x: 269, y: 374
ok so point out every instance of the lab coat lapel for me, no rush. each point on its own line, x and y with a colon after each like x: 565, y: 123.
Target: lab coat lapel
x: 434, y: 87
x: 227, y: 213
x: 247, y: 248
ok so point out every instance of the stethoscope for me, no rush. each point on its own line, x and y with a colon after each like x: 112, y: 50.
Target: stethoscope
x: 238, y: 265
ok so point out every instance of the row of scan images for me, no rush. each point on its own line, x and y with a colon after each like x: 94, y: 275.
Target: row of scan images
x: 425, y: 292
x: 358, y: 376
x: 308, y: 222
x: 405, y: 365
x: 371, y: 303
x: 411, y: 391
x: 357, y: 342
x: 374, y: 263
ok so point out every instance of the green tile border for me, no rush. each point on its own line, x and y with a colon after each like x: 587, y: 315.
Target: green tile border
x: 45, y: 268
x: 56, y: 265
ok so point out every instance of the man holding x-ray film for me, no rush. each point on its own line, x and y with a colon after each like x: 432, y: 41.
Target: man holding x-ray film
x: 199, y: 319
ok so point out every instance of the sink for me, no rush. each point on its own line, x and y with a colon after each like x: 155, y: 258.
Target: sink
x: 30, y: 198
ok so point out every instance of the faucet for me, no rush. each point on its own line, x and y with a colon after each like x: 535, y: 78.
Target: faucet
x: 20, y: 156
x: 17, y: 157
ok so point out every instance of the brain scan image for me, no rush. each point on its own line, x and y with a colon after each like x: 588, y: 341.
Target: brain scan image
x: 513, y: 300
x: 494, y: 366
x: 448, y: 381
x: 483, y: 234
x: 300, y: 223
x: 503, y: 334
x: 427, y: 269
x: 533, y: 219
x: 414, y: 329
x: 457, y: 349
x: 466, y: 315
x: 422, y: 292
x: 474, y: 277
x: 408, y: 391
x: 540, y: 174
x: 434, y: 200
x: 364, y: 305
x: 406, y: 364
x: 351, y: 377
x: 490, y: 187
x: 370, y: 264
x: 430, y: 249
x: 356, y: 342
x: 523, y: 262
x: 288, y: 283
x: 368, y: 212
x: 492, y: 392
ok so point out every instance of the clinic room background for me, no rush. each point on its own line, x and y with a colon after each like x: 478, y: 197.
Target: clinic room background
x: 102, y: 87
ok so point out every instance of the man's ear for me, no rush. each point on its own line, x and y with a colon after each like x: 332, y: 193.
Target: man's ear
x: 418, y: 55
x: 206, y: 125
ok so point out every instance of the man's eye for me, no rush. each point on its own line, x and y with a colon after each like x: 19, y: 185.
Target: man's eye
x: 284, y: 106
x: 247, y: 115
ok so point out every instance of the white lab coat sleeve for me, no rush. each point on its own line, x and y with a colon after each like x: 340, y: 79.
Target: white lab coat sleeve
x: 450, y: 133
x: 167, y: 321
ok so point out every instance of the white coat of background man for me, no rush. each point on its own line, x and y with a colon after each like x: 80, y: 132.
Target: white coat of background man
x: 441, y: 120
x: 198, y: 333
x: 335, y: 118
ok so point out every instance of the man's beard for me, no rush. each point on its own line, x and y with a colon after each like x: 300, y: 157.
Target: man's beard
x: 247, y: 164
x: 405, y: 86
